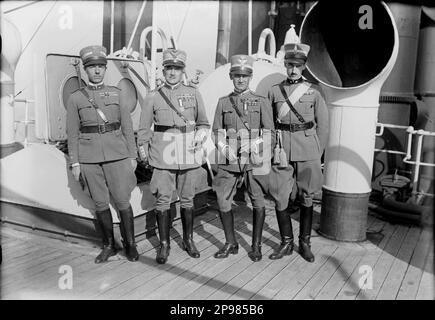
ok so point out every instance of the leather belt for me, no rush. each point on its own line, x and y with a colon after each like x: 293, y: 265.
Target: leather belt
x: 182, y: 129
x: 101, y: 128
x: 293, y: 127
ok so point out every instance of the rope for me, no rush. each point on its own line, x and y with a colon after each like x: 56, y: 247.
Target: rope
x: 184, y: 20
x: 20, y: 7
x: 39, y: 27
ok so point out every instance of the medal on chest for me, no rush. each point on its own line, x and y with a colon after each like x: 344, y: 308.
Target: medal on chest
x: 181, y: 103
x: 245, y: 107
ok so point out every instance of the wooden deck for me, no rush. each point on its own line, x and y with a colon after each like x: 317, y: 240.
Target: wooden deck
x: 400, y: 257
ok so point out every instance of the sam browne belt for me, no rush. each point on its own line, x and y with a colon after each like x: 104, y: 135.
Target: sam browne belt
x: 293, y: 127
x: 101, y: 128
x: 182, y: 129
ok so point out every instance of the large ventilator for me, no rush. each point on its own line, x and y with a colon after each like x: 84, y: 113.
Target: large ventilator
x: 10, y: 53
x: 351, y: 57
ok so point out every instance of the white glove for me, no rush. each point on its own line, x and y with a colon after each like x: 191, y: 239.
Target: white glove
x: 228, y: 152
x: 76, y: 171
x: 199, y: 139
x: 250, y: 145
x: 133, y: 163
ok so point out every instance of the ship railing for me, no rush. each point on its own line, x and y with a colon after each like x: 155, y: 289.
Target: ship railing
x: 417, y: 163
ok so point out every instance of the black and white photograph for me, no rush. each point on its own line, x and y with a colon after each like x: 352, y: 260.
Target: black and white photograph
x: 217, y: 154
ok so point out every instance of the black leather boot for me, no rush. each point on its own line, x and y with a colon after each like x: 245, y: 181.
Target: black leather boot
x: 104, y: 219
x: 286, y: 231
x: 231, y: 245
x: 163, y: 223
x: 306, y: 218
x: 127, y: 232
x: 187, y: 216
x: 258, y: 221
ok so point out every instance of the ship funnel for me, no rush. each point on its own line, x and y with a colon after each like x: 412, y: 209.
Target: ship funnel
x: 353, y: 49
x: 10, y: 53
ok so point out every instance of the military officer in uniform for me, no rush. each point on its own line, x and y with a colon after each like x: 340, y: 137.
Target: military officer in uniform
x: 102, y: 150
x: 301, y: 123
x: 242, y: 129
x: 173, y: 148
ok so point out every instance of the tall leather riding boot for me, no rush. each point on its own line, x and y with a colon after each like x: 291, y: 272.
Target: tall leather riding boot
x: 163, y: 223
x: 231, y: 245
x: 306, y: 218
x: 104, y: 219
x: 127, y: 232
x: 286, y: 231
x: 187, y: 216
x: 259, y: 215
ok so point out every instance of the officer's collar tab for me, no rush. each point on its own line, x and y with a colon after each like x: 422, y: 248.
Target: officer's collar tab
x: 95, y: 86
x: 295, y: 81
x: 237, y: 93
x: 172, y: 86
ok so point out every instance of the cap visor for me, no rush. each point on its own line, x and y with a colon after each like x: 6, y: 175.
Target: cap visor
x: 95, y: 62
x: 246, y: 72
x: 175, y: 64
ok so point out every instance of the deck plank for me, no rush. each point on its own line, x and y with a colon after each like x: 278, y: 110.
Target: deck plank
x: 342, y: 274
x: 294, y: 264
x: 299, y: 279
x: 401, y: 256
x: 156, y: 274
x: 411, y: 281
x: 383, y: 265
x: 426, y: 289
x: 38, y: 256
x: 251, y: 288
x: 220, y: 267
x: 48, y: 270
x: 394, y: 278
x: 198, y: 268
x: 310, y: 290
x: 350, y: 289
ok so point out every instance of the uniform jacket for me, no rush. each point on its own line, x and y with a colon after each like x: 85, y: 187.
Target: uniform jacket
x: 256, y: 110
x: 170, y: 149
x: 308, y: 144
x: 99, y: 147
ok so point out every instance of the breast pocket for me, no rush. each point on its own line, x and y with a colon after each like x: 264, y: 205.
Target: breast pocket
x: 163, y: 115
x: 229, y: 116
x: 307, y: 104
x: 112, y: 109
x: 87, y: 113
x: 254, y: 117
x: 189, y: 109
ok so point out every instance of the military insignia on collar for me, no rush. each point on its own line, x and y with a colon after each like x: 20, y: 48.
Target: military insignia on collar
x: 310, y: 91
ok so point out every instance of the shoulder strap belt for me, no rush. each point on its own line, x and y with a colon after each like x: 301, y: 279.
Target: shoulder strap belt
x: 292, y: 108
x: 245, y: 123
x: 173, y: 107
x: 99, y: 111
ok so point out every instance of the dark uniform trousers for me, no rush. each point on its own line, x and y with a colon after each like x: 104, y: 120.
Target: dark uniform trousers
x: 163, y: 183
x: 114, y: 177
x: 308, y: 178
x: 223, y: 186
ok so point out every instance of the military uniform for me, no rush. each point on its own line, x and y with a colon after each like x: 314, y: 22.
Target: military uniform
x: 303, y: 133
x: 302, y: 144
x: 240, y: 117
x: 169, y: 147
x: 101, y: 142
